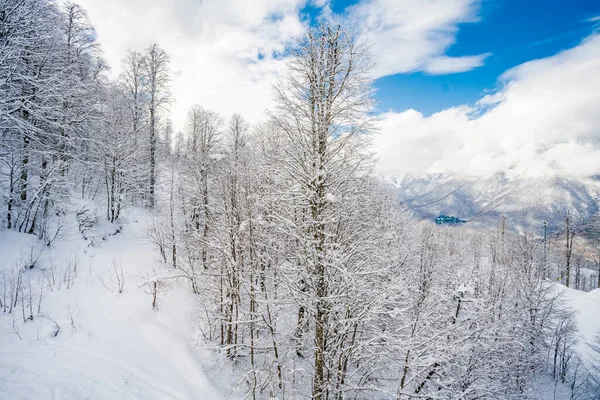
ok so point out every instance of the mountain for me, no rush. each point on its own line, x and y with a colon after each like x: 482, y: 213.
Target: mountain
x: 525, y: 202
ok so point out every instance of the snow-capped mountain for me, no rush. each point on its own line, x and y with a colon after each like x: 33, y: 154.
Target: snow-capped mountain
x: 525, y: 202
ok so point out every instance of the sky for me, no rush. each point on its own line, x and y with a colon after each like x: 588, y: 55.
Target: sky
x: 468, y: 87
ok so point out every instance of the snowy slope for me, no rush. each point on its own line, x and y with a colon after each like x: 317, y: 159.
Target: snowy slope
x: 587, y: 306
x: 110, y: 345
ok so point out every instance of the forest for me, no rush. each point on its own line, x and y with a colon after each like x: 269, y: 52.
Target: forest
x: 311, y: 280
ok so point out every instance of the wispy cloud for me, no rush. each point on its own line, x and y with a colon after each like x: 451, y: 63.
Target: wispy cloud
x: 414, y: 35
x: 594, y: 19
x: 442, y: 65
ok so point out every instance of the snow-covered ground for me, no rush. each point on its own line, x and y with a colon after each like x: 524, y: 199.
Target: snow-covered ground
x: 109, y: 345
x: 91, y: 342
x: 587, y: 306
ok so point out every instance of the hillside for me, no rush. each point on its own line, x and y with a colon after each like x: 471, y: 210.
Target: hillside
x: 87, y: 340
x: 525, y: 202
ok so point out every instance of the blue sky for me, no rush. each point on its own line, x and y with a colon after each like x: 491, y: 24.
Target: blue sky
x: 513, y: 31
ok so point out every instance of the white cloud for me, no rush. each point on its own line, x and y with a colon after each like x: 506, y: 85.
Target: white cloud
x: 414, y: 35
x: 221, y: 50
x: 442, y: 65
x: 545, y: 118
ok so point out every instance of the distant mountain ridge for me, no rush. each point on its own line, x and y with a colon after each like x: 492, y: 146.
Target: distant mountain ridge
x: 525, y: 202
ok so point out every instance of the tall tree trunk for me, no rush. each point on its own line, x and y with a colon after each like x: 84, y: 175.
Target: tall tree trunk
x: 151, y: 199
x: 24, y: 165
x: 11, y: 194
x: 205, y: 230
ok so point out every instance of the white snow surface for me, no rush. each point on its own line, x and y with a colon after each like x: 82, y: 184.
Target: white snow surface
x: 587, y: 307
x: 115, y: 346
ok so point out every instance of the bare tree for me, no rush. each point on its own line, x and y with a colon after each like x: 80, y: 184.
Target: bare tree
x: 156, y: 67
x: 569, y: 236
x: 204, y: 129
x: 323, y: 108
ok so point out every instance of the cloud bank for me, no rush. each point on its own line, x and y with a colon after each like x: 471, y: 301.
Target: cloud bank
x: 226, y: 54
x: 545, y: 119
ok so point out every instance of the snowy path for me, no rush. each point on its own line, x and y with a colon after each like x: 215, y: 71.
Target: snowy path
x: 110, y: 345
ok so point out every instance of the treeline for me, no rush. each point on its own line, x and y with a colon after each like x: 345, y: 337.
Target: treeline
x: 313, y: 282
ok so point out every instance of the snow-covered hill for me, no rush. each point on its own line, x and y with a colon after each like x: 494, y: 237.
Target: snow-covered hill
x: 88, y: 341
x: 525, y: 201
